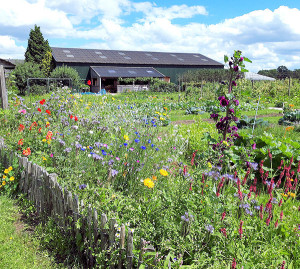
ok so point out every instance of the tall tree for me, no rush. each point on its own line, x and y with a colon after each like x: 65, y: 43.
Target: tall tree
x: 37, y: 46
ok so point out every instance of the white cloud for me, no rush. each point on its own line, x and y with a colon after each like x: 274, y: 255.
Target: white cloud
x: 9, y: 49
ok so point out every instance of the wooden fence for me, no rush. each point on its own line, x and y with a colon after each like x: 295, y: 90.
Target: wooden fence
x: 96, y: 231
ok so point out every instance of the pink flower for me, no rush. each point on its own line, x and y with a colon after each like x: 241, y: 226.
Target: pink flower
x: 51, y: 155
x: 22, y: 111
x: 117, y: 158
x: 254, y: 146
x: 137, y: 161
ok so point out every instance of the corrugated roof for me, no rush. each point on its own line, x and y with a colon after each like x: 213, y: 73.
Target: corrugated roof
x: 126, y: 72
x: 257, y: 77
x: 96, y: 56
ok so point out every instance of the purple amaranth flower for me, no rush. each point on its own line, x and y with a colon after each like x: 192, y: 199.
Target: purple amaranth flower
x: 221, y: 98
x: 231, y: 110
x: 236, y: 102
x: 83, y: 186
x: 68, y: 150
x: 224, y: 102
x: 233, y: 83
x: 214, y: 115
x: 234, y: 128
x: 209, y: 228
x: 236, y: 68
x: 114, y: 172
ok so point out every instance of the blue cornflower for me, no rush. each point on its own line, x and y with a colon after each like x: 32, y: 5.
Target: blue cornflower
x: 149, y: 141
x: 143, y: 147
x: 103, y: 152
x: 90, y: 147
x: 136, y: 140
x: 83, y: 149
x: 157, y: 149
x: 152, y: 145
x: 125, y: 144
x: 83, y: 186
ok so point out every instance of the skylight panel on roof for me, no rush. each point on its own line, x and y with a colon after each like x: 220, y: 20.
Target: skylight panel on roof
x: 180, y: 59
x: 148, y: 54
x: 155, y: 59
x: 70, y: 55
x: 127, y: 58
x: 98, y: 52
x: 103, y: 57
x: 111, y: 71
x: 131, y: 72
x: 121, y: 53
x: 149, y: 71
x: 196, y: 56
x: 173, y: 55
x: 205, y: 60
x: 66, y: 51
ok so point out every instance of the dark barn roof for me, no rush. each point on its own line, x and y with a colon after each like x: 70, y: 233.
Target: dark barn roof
x: 126, y: 72
x: 118, y: 57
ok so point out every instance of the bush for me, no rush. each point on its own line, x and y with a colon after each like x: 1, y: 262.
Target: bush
x: 24, y: 71
x: 163, y: 86
x: 66, y: 72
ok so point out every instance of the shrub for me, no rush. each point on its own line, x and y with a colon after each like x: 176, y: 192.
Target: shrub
x: 66, y: 72
x: 24, y: 71
x: 163, y: 86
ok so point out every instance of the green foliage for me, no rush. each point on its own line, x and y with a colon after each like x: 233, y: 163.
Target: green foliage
x: 37, y: 46
x: 209, y: 75
x: 163, y: 86
x: 47, y: 64
x: 67, y: 72
x: 22, y: 72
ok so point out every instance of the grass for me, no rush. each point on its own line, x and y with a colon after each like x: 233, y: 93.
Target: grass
x: 18, y: 249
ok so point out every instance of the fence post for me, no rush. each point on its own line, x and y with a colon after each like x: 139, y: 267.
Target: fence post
x: 122, y: 244
x: 3, y: 92
x: 130, y: 250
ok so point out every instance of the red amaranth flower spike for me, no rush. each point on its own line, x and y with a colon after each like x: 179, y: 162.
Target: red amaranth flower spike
x: 281, y: 215
x: 241, y: 229
x: 282, y: 265
x: 276, y: 224
x: 233, y: 265
x: 224, y: 232
x: 223, y: 216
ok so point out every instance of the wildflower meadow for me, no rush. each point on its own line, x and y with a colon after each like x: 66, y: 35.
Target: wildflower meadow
x: 205, y: 195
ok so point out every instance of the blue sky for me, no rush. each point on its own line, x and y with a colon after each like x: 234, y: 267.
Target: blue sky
x: 266, y: 31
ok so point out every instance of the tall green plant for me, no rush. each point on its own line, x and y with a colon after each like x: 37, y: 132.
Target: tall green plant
x: 37, y: 46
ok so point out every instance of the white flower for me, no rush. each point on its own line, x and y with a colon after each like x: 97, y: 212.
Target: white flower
x: 91, y: 132
x: 89, y: 155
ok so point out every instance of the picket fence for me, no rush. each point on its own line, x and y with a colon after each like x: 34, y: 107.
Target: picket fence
x: 51, y: 200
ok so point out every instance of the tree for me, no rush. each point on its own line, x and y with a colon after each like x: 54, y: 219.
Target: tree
x: 37, y: 46
x: 67, y: 72
x: 47, y: 64
x: 24, y: 71
x: 283, y: 72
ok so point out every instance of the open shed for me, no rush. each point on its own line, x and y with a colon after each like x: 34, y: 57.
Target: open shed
x: 106, y: 77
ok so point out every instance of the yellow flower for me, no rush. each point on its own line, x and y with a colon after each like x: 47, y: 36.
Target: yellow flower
x: 48, y: 142
x: 209, y: 165
x: 225, y: 143
x: 161, y: 118
x: 44, y: 140
x: 149, y: 183
x: 4, y: 176
x: 163, y: 172
x: 6, y: 171
x: 289, y: 128
x: 3, y: 183
x: 284, y: 195
x: 158, y: 113
x: 113, y: 98
x: 126, y: 137
x: 10, y: 168
x: 44, y: 159
x: 154, y: 177
x: 165, y: 108
x: 292, y: 194
x: 12, y: 179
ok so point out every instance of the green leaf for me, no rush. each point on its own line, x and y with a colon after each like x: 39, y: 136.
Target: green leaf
x: 247, y: 60
x: 244, y: 70
x: 225, y: 58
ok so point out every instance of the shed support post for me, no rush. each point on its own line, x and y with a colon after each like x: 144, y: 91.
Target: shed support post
x: 3, y: 92
x: 100, y: 84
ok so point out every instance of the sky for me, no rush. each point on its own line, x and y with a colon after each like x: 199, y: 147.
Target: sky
x: 266, y: 31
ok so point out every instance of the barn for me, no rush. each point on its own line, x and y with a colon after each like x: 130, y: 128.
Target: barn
x: 104, y: 67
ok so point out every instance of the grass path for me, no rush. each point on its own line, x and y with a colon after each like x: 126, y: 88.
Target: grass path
x: 18, y: 249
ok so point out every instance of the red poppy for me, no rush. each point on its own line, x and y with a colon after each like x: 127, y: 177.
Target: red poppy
x: 27, y: 152
x: 39, y: 110
x: 40, y: 130
x: 20, y: 142
x: 89, y: 82
x: 48, y: 112
x: 32, y: 125
x: 71, y: 117
x: 42, y: 102
x: 21, y: 127
x: 76, y: 119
